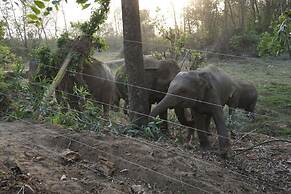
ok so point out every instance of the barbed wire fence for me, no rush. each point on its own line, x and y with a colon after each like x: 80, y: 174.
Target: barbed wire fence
x: 174, y: 123
x: 34, y: 83
x: 179, y: 181
x: 164, y: 93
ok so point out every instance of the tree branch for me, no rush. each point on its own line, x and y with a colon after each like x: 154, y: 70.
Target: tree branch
x: 260, y: 144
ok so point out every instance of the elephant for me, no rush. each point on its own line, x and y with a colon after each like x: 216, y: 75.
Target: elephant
x: 205, y: 91
x: 158, y: 75
x: 99, y: 80
x: 244, y: 97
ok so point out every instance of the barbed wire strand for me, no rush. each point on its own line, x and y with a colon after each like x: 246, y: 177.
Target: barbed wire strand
x: 59, y: 155
x: 135, y: 112
x: 139, y: 113
x: 196, y: 50
x: 161, y: 148
x: 119, y: 158
x: 160, y: 92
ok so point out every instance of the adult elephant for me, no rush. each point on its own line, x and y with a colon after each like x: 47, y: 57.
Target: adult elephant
x: 158, y: 75
x: 245, y: 97
x: 205, y: 91
x: 99, y: 81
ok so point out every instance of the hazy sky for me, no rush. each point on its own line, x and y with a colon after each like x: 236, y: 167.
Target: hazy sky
x: 74, y: 13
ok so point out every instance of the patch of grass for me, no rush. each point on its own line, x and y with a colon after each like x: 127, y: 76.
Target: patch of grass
x: 273, y: 81
x: 276, y: 96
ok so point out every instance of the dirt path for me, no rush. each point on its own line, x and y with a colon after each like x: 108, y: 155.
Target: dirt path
x: 42, y: 159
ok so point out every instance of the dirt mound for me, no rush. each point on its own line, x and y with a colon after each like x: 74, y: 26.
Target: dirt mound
x: 53, y: 160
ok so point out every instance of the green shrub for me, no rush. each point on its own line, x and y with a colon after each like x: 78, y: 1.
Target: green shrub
x: 244, y: 41
x: 269, y: 45
x: 278, y: 41
x: 197, y: 59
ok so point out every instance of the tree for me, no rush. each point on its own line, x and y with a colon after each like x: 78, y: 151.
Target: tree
x: 133, y: 55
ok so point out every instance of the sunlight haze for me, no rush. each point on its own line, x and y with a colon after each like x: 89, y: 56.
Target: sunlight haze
x: 74, y: 13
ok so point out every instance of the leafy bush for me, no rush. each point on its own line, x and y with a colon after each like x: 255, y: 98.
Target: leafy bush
x: 279, y: 40
x: 7, y: 58
x: 197, y: 59
x: 88, y: 117
x: 150, y: 131
x: 269, y: 45
x: 244, y: 41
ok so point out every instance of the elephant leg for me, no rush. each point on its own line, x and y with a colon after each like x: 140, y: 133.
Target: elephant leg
x: 224, y: 142
x: 106, y: 110
x: 230, y: 112
x: 125, y: 107
x: 164, y: 124
x: 180, y: 113
x: 251, y: 111
x: 202, y: 125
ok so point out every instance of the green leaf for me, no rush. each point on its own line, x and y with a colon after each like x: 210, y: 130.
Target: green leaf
x: 46, y: 13
x: 85, y: 6
x: 49, y: 9
x: 35, y: 10
x: 32, y: 16
x: 81, y: 1
x: 39, y: 4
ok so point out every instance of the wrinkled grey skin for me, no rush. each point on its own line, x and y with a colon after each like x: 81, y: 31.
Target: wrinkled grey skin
x: 158, y: 75
x: 209, y: 84
x: 99, y: 80
x: 245, y: 97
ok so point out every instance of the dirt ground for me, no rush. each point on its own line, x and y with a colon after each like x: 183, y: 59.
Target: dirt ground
x: 36, y: 158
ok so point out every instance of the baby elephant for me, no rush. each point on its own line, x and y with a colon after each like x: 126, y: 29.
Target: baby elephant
x: 244, y: 97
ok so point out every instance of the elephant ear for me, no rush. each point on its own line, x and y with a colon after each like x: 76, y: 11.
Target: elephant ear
x: 205, y: 80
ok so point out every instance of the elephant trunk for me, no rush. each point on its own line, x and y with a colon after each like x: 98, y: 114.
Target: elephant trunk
x: 167, y: 102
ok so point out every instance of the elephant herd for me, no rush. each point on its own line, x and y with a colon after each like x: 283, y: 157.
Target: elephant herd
x: 204, y: 91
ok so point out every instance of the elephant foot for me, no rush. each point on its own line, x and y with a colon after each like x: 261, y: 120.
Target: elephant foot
x: 226, y: 153
x: 205, y: 146
x: 251, y: 116
x: 188, y: 146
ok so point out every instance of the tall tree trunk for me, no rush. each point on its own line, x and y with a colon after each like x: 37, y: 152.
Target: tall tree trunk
x: 64, y: 17
x: 24, y: 12
x: 174, y: 15
x: 253, y: 7
x: 267, y: 15
x: 242, y: 14
x: 231, y: 13
x: 16, y: 23
x: 44, y: 33
x: 133, y: 55
x: 7, y: 27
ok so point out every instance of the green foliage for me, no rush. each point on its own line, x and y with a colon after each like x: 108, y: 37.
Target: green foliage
x: 279, y: 40
x: 86, y: 119
x: 7, y: 58
x: 97, y: 18
x: 2, y: 30
x: 43, y: 57
x: 121, y: 74
x: 269, y: 45
x: 150, y: 131
x: 244, y: 41
x: 196, y: 59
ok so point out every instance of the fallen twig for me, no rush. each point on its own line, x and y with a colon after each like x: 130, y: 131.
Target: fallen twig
x: 246, y: 134
x: 260, y: 144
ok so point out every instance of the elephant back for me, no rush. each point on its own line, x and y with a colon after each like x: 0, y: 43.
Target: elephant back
x: 222, y: 83
x: 99, y: 80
